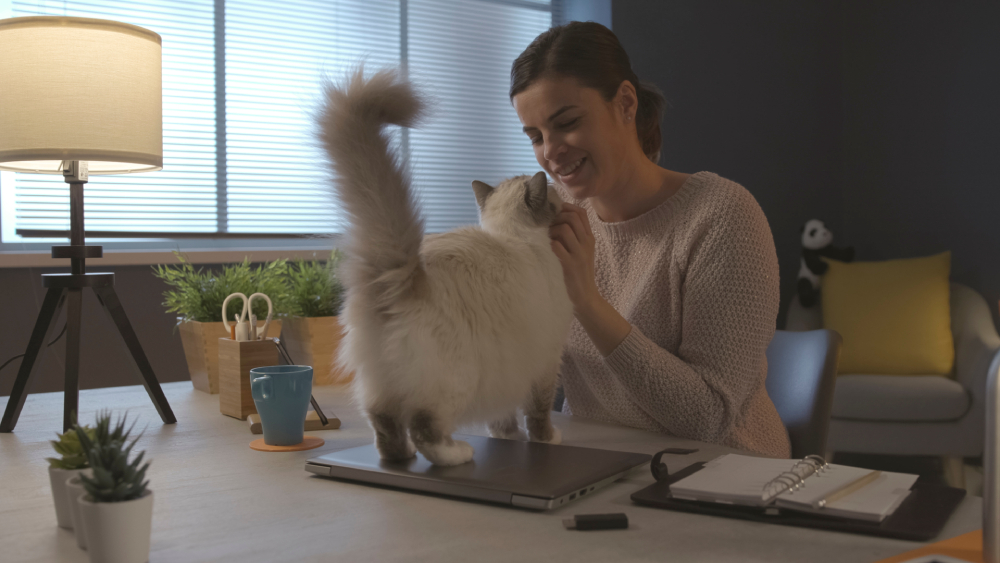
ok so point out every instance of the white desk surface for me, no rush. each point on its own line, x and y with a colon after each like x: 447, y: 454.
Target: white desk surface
x: 218, y: 500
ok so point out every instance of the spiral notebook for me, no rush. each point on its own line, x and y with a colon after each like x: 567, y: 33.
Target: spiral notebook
x: 808, y: 485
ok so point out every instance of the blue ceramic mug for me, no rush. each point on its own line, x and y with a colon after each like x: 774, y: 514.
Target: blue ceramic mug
x: 281, y: 394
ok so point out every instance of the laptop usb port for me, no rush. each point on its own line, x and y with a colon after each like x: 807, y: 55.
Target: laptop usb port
x: 572, y: 496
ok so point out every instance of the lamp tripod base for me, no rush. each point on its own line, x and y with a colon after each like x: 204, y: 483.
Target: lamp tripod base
x: 67, y: 289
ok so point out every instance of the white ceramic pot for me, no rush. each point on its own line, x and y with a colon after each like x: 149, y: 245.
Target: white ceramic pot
x: 64, y: 507
x: 118, y: 532
x: 74, y: 490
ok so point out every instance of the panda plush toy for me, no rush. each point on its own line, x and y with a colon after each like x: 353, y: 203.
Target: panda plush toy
x: 816, y: 243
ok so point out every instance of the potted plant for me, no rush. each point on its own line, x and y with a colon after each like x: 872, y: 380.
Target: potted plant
x: 72, y: 462
x: 197, y: 296
x: 314, y: 332
x: 117, y: 508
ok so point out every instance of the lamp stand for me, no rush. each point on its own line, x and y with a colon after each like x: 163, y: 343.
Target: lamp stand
x: 68, y: 288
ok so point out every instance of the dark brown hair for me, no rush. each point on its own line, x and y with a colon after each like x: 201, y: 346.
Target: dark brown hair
x: 590, y: 53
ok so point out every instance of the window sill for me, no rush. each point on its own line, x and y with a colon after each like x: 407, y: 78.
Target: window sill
x: 38, y: 259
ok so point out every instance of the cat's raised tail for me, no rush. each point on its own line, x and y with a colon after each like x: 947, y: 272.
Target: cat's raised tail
x: 384, y: 230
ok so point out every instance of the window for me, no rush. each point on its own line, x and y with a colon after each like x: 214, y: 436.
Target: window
x: 240, y: 81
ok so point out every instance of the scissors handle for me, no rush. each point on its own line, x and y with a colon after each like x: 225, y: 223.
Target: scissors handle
x: 243, y: 315
x: 262, y: 333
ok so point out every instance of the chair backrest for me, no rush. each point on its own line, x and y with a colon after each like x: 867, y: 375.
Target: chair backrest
x: 801, y: 371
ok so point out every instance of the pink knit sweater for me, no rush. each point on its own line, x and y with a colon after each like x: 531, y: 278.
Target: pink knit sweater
x: 697, y: 278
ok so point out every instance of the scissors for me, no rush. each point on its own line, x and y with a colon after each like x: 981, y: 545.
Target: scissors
x: 253, y: 333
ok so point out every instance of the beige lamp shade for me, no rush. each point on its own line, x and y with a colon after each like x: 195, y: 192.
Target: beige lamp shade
x: 79, y: 89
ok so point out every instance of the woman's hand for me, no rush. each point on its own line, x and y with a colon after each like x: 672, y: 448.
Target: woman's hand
x: 573, y: 243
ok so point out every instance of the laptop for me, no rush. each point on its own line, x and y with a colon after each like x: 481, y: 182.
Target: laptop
x: 512, y: 472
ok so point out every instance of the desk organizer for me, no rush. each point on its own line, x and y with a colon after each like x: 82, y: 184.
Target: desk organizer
x: 236, y: 359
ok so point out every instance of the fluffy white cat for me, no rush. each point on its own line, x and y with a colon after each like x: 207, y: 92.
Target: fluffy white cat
x: 464, y: 326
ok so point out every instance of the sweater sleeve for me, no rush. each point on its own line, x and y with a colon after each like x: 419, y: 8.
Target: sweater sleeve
x: 729, y: 307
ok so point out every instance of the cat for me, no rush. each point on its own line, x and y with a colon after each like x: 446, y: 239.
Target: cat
x: 445, y: 329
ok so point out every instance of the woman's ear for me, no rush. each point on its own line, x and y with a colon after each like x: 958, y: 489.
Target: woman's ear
x: 626, y: 101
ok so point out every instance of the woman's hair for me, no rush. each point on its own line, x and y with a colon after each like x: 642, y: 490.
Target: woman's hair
x: 590, y: 53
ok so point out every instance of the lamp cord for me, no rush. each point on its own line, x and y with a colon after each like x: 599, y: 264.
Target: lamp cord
x: 54, y: 340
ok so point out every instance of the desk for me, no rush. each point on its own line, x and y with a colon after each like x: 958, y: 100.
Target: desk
x: 218, y: 500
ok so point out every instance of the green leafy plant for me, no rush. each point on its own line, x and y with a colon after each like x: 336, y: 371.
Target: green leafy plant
x: 316, y: 290
x: 69, y: 447
x: 197, y: 295
x: 115, y: 478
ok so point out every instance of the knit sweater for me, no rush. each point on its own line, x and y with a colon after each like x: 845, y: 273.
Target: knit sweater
x: 697, y: 278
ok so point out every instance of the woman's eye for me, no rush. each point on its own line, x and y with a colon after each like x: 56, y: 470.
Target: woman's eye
x: 536, y: 140
x: 568, y: 123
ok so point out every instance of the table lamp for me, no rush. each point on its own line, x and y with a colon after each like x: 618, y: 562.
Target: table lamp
x: 79, y: 96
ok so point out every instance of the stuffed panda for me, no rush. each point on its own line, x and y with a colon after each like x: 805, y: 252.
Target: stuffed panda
x: 816, y: 241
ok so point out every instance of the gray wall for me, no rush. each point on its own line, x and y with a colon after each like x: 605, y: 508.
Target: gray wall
x: 880, y: 118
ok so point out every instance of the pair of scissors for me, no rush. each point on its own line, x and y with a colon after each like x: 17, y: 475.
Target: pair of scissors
x: 253, y: 333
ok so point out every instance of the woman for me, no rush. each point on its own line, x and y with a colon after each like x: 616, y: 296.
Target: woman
x: 673, y: 277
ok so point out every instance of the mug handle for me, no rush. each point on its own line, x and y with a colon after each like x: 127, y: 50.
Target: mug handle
x: 260, y: 388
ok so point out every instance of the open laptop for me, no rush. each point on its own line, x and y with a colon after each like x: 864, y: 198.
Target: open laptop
x: 512, y: 472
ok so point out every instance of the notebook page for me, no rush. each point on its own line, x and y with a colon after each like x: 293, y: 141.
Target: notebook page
x: 874, y: 502
x: 732, y: 478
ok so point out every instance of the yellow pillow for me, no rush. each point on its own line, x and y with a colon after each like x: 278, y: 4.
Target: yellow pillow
x: 894, y: 316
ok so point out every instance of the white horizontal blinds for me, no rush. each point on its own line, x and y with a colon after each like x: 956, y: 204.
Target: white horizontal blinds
x: 182, y: 196
x: 277, y: 54
x: 461, y: 53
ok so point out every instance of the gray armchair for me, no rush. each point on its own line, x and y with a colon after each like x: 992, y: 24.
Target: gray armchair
x: 918, y: 415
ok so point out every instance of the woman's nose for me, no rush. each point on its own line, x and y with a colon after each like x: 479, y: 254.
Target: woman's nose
x: 554, y: 148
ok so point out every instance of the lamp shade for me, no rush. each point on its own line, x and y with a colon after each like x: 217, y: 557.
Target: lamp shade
x: 80, y: 89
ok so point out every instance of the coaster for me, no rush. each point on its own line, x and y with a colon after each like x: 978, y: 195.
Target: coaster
x: 308, y: 443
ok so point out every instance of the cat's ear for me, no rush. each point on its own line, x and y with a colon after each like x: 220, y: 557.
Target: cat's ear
x: 483, y: 191
x: 536, y: 194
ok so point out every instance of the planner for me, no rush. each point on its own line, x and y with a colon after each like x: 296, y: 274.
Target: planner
x: 809, y: 485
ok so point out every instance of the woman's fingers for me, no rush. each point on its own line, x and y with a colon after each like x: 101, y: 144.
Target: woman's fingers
x: 576, y: 218
x: 564, y: 234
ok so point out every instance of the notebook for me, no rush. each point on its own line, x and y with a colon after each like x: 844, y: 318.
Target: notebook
x: 800, y: 485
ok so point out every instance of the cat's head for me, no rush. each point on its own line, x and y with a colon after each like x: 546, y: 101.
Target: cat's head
x: 522, y: 201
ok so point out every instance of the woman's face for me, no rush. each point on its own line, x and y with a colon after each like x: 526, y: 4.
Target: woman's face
x: 580, y: 140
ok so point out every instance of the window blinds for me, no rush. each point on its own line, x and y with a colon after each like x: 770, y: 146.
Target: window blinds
x: 276, y: 55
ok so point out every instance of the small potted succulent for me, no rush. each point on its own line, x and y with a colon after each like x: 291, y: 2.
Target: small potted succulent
x: 197, y: 296
x: 72, y: 462
x: 313, y: 334
x: 117, y: 508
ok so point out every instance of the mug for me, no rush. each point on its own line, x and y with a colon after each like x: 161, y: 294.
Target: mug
x: 281, y: 394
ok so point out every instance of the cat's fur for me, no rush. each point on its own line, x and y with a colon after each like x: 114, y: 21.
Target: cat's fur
x: 459, y: 327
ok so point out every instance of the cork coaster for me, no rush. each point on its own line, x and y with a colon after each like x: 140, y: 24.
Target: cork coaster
x: 308, y: 443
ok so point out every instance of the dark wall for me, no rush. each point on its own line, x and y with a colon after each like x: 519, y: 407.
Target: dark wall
x: 104, y: 360
x: 880, y: 118
x: 754, y: 96
x: 921, y: 84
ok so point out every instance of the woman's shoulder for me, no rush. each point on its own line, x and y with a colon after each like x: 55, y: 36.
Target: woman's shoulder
x: 716, y: 198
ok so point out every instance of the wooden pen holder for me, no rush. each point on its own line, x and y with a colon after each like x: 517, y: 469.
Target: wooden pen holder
x: 236, y: 359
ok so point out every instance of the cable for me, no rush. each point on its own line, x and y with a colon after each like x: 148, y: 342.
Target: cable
x: 56, y: 339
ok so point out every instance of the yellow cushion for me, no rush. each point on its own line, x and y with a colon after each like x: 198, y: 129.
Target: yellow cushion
x: 894, y: 316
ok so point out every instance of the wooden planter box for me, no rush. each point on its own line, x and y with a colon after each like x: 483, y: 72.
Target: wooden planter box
x: 313, y: 341
x: 236, y: 359
x: 201, y: 348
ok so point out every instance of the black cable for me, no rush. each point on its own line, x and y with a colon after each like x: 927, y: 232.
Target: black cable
x: 61, y: 332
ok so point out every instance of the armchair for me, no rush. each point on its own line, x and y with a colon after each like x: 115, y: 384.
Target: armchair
x: 914, y: 414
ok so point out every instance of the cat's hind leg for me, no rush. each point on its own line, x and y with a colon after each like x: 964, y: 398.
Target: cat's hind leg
x: 390, y: 436
x: 432, y: 436
x: 538, y: 411
x: 507, y: 428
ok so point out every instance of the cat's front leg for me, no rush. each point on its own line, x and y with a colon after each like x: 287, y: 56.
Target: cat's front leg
x: 538, y: 412
x: 507, y: 428
x: 390, y: 437
x: 432, y: 436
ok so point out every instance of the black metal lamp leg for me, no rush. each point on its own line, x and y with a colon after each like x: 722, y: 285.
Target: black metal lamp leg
x: 71, y: 388
x: 50, y: 310
x: 109, y: 298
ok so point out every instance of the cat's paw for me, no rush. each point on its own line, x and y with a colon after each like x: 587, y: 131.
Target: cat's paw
x: 457, y: 453
x: 396, y: 451
x: 555, y: 438
x: 517, y: 434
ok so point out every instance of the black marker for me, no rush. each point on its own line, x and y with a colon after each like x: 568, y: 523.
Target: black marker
x: 596, y: 522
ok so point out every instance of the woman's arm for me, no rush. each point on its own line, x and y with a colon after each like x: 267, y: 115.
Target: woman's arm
x: 730, y: 299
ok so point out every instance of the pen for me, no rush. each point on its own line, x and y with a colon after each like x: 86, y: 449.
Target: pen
x: 847, y: 489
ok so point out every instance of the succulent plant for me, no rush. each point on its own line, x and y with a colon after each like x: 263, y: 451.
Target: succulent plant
x: 115, y: 478
x: 68, y: 446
